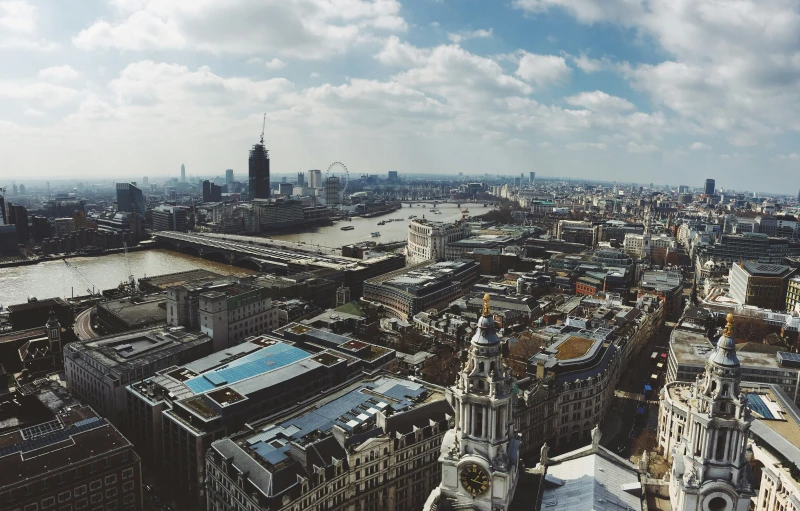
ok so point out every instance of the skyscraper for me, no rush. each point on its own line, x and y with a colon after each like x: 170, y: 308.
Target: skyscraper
x: 532, y: 176
x: 229, y: 178
x: 20, y: 219
x: 206, y: 191
x: 259, y: 171
x: 710, y: 186
x: 130, y: 199
x: 183, y: 173
x: 315, y: 178
x: 332, y: 189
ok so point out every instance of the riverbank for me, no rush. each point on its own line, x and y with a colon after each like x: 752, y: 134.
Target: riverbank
x: 145, y: 245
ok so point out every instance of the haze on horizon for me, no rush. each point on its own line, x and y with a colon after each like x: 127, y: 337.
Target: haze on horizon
x: 614, y: 90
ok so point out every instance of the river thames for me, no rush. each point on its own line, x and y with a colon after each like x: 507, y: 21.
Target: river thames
x: 59, y: 279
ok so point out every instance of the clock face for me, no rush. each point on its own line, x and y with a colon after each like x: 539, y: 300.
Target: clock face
x: 474, y: 479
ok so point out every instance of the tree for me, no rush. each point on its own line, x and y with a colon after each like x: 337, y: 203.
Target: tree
x: 749, y: 328
x: 441, y: 369
x: 520, y: 352
x: 646, y: 441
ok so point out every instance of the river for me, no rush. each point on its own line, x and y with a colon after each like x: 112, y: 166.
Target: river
x: 333, y: 236
x: 57, y: 279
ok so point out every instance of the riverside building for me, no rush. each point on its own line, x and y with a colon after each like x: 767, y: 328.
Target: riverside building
x: 428, y: 240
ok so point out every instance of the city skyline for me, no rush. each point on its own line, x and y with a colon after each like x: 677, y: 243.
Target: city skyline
x: 626, y: 91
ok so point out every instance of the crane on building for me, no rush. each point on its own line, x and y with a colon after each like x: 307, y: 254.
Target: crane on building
x: 131, y: 279
x: 263, y: 125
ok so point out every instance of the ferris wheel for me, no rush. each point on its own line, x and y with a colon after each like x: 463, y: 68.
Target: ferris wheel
x: 338, y: 169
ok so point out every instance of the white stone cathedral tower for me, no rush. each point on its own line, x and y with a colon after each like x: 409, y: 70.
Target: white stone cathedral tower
x: 480, y: 454
x: 709, y: 468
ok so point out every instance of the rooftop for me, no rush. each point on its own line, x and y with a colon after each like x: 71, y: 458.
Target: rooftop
x: 766, y: 270
x: 74, y: 436
x: 129, y: 350
x: 573, y: 347
x: 137, y: 314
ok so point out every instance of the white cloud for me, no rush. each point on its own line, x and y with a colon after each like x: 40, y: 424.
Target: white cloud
x: 581, y: 146
x: 302, y: 29
x: 275, y: 63
x: 599, y: 101
x: 313, y: 74
x: 32, y: 112
x: 400, y: 53
x: 58, y: 73
x: 458, y: 37
x: 39, y: 94
x: 542, y: 70
x: 637, y: 148
x: 699, y: 146
x: 734, y: 67
x: 19, y: 26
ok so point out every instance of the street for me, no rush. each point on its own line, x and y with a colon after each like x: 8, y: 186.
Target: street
x: 621, y: 424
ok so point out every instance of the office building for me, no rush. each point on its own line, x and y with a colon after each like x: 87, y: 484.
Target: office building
x: 3, y: 216
x: 759, y: 284
x: 258, y: 171
x: 532, y: 177
x: 689, y: 349
x: 98, y: 371
x: 333, y: 192
x: 419, y: 288
x: 77, y: 460
x: 230, y: 314
x: 372, y: 444
x: 709, y: 187
x: 574, y: 231
x: 315, y: 179
x: 428, y: 241
x: 183, y: 173
x: 19, y: 217
x: 229, y: 180
x: 734, y: 248
x: 276, y: 214
x: 669, y: 286
x: 392, y: 176
x: 169, y: 218
x: 793, y: 295
x: 176, y: 414
x: 130, y: 199
x: 285, y: 189
x: 211, y: 192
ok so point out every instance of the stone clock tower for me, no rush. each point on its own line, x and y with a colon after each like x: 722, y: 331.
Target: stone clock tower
x: 709, y: 469
x: 479, y: 456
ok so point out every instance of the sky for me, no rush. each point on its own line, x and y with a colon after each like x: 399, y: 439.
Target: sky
x: 663, y: 91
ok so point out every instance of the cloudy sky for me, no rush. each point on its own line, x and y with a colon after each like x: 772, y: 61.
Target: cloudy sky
x: 668, y: 91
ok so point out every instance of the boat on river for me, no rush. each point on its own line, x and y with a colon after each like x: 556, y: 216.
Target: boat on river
x: 375, y: 234
x: 348, y: 228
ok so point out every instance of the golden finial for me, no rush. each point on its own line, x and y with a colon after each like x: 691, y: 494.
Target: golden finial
x: 486, y: 310
x: 729, y: 327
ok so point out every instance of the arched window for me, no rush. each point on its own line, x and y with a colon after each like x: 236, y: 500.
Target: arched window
x: 491, y: 367
x: 480, y: 367
x: 725, y: 389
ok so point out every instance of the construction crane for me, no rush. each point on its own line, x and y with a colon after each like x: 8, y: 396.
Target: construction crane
x: 131, y: 279
x: 263, y: 125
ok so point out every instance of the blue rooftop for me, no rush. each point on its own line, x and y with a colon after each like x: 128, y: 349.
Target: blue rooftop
x: 260, y: 362
x: 346, y: 411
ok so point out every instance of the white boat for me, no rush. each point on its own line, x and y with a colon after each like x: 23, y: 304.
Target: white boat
x: 375, y: 234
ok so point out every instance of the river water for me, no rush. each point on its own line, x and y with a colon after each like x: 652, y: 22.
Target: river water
x: 333, y: 236
x: 57, y: 279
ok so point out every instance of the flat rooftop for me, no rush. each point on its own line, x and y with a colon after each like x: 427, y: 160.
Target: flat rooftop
x: 766, y: 270
x: 351, y: 409
x: 184, y: 277
x: 573, y: 347
x: 73, y: 437
x: 138, y: 314
x: 416, y: 281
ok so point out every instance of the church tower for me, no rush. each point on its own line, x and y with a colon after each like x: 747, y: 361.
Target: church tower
x: 480, y: 454
x: 709, y: 468
x: 54, y: 335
